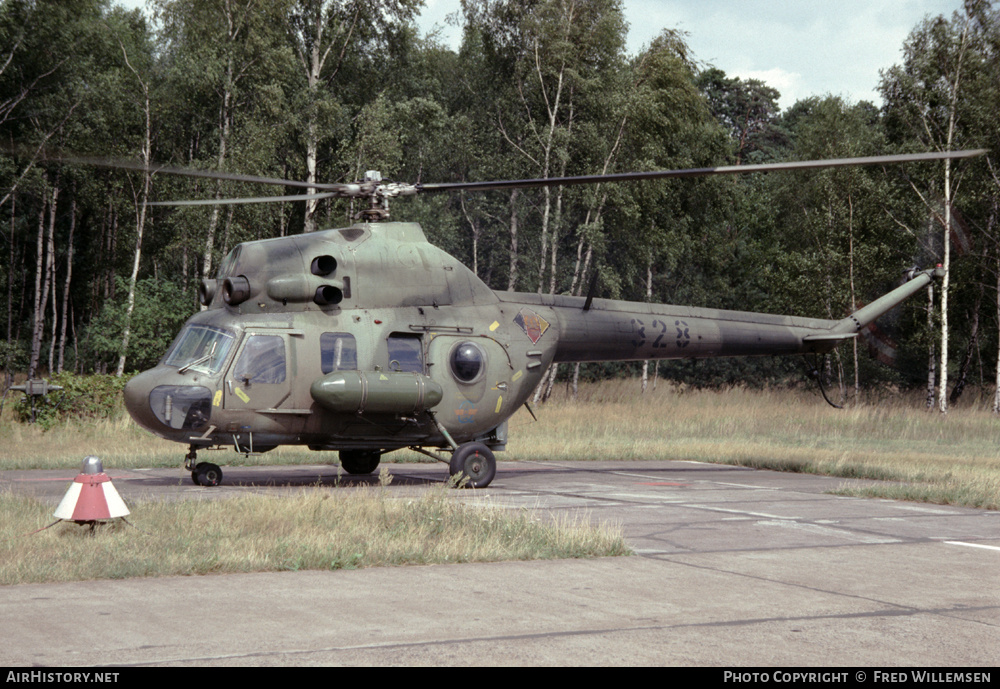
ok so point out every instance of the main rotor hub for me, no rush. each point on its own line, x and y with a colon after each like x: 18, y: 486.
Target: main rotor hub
x: 378, y: 195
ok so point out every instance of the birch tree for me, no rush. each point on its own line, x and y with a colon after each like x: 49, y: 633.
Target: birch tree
x: 212, y: 51
x: 140, y: 195
x: 924, y: 97
x: 325, y: 34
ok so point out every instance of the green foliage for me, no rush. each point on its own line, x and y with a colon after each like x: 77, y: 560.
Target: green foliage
x: 82, y: 398
x: 540, y: 88
x: 160, y: 309
x: 748, y: 110
x: 13, y: 355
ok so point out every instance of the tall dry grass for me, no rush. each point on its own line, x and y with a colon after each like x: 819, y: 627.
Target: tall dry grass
x: 953, y: 458
x: 120, y: 443
x: 314, y: 529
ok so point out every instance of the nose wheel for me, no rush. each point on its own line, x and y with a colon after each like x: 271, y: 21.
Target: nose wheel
x: 476, y: 462
x: 206, y: 474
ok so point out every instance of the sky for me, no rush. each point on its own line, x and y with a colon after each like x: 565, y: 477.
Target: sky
x: 800, y: 47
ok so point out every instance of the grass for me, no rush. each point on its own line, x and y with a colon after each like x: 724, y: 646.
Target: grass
x: 916, y: 454
x: 908, y: 452
x: 123, y: 445
x: 313, y: 529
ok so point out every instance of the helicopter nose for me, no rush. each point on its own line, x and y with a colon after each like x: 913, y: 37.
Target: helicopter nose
x: 137, y: 400
x: 161, y: 407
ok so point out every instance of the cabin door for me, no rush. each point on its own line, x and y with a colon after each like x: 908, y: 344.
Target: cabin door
x: 260, y: 377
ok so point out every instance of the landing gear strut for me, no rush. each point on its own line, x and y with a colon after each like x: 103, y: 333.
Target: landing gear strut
x: 202, y: 473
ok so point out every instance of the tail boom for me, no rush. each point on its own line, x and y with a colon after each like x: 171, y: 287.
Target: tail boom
x: 610, y: 330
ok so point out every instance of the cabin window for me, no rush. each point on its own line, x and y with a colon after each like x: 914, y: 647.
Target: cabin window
x: 338, y: 351
x: 262, y: 360
x: 405, y: 353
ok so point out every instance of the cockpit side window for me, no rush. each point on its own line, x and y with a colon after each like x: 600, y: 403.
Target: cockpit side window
x: 262, y: 360
x: 200, y: 346
x: 338, y: 352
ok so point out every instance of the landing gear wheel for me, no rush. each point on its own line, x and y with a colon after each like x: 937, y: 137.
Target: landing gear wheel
x: 476, y: 462
x: 360, y: 462
x: 206, y: 474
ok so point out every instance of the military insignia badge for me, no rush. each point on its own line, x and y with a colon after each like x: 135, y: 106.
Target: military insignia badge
x: 466, y: 412
x: 533, y: 325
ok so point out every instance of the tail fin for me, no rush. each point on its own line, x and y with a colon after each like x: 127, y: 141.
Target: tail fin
x: 850, y: 326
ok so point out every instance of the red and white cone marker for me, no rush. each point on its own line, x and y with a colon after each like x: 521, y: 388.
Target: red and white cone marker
x: 91, y: 496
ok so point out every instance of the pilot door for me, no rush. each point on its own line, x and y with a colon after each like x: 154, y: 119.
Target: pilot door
x: 475, y: 374
x: 260, y: 377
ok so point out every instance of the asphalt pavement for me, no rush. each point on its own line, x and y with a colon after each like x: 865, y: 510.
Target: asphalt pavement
x: 733, y: 567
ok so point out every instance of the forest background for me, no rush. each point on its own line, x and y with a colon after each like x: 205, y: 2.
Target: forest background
x: 99, y: 282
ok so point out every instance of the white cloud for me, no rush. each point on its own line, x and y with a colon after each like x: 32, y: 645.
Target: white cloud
x: 832, y: 48
x: 789, y: 84
x: 800, y: 47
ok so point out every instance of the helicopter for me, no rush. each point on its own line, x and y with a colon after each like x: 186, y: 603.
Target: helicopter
x: 368, y: 339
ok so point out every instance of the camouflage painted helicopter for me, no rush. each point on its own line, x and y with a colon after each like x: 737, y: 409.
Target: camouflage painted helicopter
x: 367, y: 339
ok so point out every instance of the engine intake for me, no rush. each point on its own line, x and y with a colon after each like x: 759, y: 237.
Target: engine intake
x: 323, y: 265
x: 207, y: 290
x: 327, y: 295
x: 236, y: 290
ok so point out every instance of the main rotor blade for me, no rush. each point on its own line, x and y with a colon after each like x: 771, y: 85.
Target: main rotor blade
x: 184, y: 171
x: 251, y: 199
x: 695, y: 172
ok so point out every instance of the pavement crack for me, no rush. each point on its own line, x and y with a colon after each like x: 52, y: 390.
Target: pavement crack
x: 895, y: 608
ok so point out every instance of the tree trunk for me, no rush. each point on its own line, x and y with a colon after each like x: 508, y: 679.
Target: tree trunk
x: 51, y: 279
x: 42, y: 285
x: 854, y: 299
x: 37, y: 312
x: 474, y: 228
x: 130, y: 303
x: 931, y: 372
x: 224, y: 124
x: 66, y: 292
x: 49, y: 289
x: 512, y: 274
x: 109, y: 253
x: 649, y: 297
x: 952, y: 123
x: 312, y: 154
x: 554, y: 372
x: 548, y: 146
x: 313, y: 65
x: 213, y: 223
x: 963, y: 370
x: 996, y: 395
x: 945, y: 283
x: 10, y: 295
x: 141, y: 201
